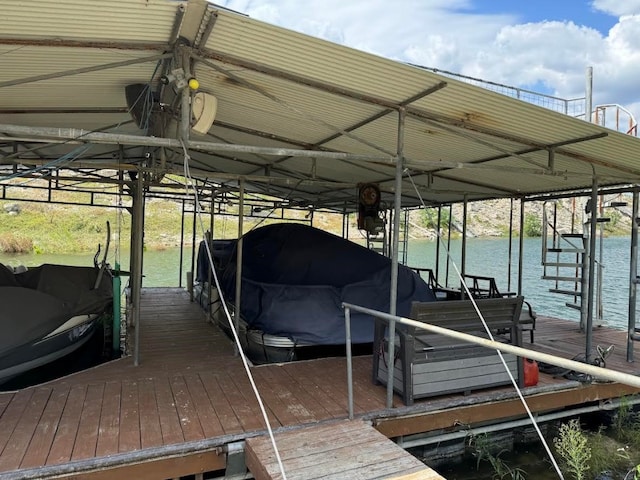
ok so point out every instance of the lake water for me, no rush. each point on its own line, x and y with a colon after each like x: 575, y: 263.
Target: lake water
x: 487, y: 257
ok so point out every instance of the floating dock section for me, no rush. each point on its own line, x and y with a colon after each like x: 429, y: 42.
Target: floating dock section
x: 337, y: 450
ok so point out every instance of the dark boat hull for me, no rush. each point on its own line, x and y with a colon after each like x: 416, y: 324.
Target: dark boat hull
x: 63, y: 341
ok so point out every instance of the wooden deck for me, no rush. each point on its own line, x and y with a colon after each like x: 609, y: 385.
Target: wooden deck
x: 176, y: 413
x: 338, y: 450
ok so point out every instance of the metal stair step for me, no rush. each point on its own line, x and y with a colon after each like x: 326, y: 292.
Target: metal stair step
x: 603, y: 220
x: 572, y: 293
x: 568, y: 250
x: 562, y: 264
x: 575, y: 306
x: 562, y: 279
x: 572, y: 235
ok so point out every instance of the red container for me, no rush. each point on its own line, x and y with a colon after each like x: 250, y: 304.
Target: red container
x: 530, y: 372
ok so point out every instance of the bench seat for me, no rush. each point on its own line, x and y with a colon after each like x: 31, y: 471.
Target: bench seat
x: 428, y: 364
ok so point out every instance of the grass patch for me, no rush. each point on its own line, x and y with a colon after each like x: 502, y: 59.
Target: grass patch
x: 10, y: 243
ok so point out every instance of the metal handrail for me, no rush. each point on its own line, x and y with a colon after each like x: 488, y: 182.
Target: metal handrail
x: 599, y: 372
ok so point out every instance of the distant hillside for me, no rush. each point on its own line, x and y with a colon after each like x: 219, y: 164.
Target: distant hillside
x: 54, y: 228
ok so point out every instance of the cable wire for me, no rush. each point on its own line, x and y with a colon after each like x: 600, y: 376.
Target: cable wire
x: 488, y: 331
x: 189, y: 183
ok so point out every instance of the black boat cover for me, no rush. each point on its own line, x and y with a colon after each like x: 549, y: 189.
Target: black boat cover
x: 36, y: 302
x: 295, y: 278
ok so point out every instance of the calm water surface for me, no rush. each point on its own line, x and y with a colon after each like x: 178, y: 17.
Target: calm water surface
x: 489, y: 257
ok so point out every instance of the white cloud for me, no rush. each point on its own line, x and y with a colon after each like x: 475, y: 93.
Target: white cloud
x: 618, y: 8
x: 453, y: 35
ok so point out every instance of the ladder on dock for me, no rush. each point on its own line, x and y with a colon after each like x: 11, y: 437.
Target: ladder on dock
x: 382, y: 243
x: 564, y: 259
x: 344, y: 449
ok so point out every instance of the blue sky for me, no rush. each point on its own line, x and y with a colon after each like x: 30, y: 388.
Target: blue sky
x: 543, y: 45
x: 580, y: 12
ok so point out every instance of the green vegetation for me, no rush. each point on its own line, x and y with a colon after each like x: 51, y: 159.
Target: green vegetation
x: 482, y: 448
x: 429, y: 218
x: 532, y: 225
x: 573, y: 447
x: 615, y: 449
x: 56, y: 228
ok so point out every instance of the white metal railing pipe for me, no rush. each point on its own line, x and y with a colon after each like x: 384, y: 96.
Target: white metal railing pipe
x: 599, y: 372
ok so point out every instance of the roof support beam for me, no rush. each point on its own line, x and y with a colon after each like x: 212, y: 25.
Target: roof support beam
x: 73, y: 135
x: 274, y: 72
x: 77, y: 71
x: 286, y: 105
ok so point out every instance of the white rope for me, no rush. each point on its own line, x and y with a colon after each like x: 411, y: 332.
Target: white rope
x: 486, y: 327
x: 187, y: 175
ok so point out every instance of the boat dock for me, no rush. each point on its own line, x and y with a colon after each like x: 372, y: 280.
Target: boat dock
x: 345, y: 449
x: 188, y: 407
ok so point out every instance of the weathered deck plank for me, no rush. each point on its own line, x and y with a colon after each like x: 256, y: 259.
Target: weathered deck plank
x: 281, y: 396
x: 89, y: 423
x: 24, y: 430
x: 109, y: 431
x: 66, y: 433
x: 189, y: 421
x: 337, y: 450
x: 220, y: 404
x: 12, y: 415
x: 150, y: 428
x: 169, y: 421
x: 40, y: 444
x: 190, y: 386
x: 209, y: 421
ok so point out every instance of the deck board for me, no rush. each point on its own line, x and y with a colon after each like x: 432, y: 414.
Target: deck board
x: 240, y: 395
x: 66, y: 433
x: 23, y: 433
x: 89, y: 423
x: 42, y: 439
x: 339, y: 450
x: 283, y: 398
x: 109, y: 431
x: 129, y: 438
x: 190, y: 386
x: 324, y: 405
x: 221, y: 406
x: 169, y: 421
x: 209, y: 421
x: 150, y: 428
x: 12, y: 415
x: 189, y: 421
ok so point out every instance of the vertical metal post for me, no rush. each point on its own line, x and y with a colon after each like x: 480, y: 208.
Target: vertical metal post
x: 236, y: 316
x: 181, y: 246
x: 347, y: 326
x: 463, y: 260
x: 633, y: 277
x: 448, y: 245
x: 510, y: 246
x: 393, y: 295
x: 600, y: 277
x: 521, y: 246
x: 588, y: 99
x: 438, y: 242
x: 592, y: 261
x: 185, y: 110
x: 136, y: 287
x: 194, y: 249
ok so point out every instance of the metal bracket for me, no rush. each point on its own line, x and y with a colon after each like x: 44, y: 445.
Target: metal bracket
x: 236, y: 464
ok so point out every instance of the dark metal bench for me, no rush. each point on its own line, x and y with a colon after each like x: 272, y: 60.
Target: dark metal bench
x: 429, y: 364
x: 485, y: 287
x: 479, y: 286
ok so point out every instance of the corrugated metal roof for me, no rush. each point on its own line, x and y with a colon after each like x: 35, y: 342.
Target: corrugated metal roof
x: 281, y: 89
